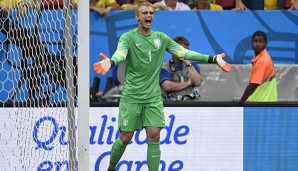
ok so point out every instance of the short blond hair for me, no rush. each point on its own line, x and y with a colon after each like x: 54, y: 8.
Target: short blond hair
x: 147, y: 4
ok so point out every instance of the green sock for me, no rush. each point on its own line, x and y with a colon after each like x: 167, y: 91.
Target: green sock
x: 117, y: 151
x: 153, y: 156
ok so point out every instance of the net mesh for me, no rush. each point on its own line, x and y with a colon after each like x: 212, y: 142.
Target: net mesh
x: 38, y: 75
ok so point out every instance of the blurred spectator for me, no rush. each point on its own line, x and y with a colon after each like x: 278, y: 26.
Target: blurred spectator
x: 153, y: 1
x: 21, y: 5
x: 74, y: 3
x: 103, y: 7
x: 294, y: 5
x: 190, y: 3
x: 171, y: 5
x: 206, y: 5
x: 132, y: 6
x: 179, y: 78
x: 121, y: 2
x: 225, y: 4
x: 57, y: 4
x: 264, y: 4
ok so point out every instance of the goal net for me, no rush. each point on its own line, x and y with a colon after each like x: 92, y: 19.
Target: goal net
x: 38, y: 90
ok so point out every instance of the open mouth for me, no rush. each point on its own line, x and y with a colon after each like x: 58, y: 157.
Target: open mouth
x: 148, y: 21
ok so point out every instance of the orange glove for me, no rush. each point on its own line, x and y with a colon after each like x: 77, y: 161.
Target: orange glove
x: 221, y: 63
x: 102, y: 67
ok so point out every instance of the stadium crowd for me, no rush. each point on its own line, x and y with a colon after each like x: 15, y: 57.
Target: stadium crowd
x: 168, y: 4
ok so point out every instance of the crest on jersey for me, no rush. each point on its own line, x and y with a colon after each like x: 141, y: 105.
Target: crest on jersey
x: 125, y: 122
x: 157, y: 43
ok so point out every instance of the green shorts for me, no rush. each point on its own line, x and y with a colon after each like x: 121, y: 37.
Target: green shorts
x: 136, y: 116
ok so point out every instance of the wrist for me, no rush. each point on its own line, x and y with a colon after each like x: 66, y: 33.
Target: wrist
x: 112, y: 63
x: 212, y: 59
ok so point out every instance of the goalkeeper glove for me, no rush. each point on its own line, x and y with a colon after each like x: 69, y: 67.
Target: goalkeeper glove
x: 218, y: 59
x: 102, y: 67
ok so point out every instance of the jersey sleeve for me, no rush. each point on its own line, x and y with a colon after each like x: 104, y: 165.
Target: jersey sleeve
x: 174, y: 48
x: 122, y: 49
x: 257, y: 73
x: 192, y: 55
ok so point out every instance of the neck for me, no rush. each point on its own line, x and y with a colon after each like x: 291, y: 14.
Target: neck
x: 144, y: 31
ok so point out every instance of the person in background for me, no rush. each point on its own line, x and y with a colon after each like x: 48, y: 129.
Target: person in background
x: 141, y: 104
x: 58, y: 4
x: 180, y: 78
x: 190, y: 3
x: 171, y: 5
x: 21, y: 5
x: 206, y: 5
x: 103, y: 7
x: 294, y: 5
x: 264, y: 4
x: 121, y: 2
x: 132, y: 6
x: 74, y: 4
x: 262, y: 85
x: 153, y: 1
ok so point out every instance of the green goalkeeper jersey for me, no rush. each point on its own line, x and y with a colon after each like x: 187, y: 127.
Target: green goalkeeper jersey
x: 144, y: 56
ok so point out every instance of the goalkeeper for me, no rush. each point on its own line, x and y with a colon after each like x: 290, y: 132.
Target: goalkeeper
x: 141, y: 104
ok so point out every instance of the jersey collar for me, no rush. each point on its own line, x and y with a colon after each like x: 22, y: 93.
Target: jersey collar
x: 259, y: 56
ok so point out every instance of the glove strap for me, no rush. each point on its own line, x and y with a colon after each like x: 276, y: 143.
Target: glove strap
x: 112, y: 63
x: 212, y: 59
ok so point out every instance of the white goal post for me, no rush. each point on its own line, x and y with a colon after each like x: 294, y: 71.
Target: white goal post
x: 84, y: 76
x: 44, y: 108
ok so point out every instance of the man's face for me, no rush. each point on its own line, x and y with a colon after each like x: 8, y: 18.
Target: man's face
x: 258, y: 44
x: 145, y: 17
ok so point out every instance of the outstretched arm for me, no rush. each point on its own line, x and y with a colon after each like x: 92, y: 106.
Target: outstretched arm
x: 178, y: 50
x: 217, y: 59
